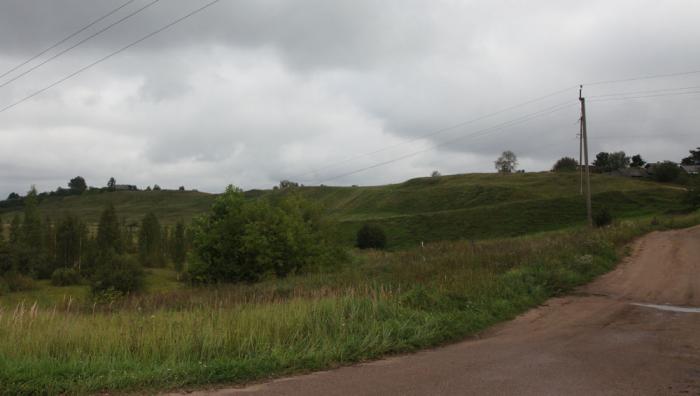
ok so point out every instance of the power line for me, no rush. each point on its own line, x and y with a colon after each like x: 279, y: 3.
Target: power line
x: 440, y: 131
x: 644, y: 96
x: 120, y: 50
x: 70, y: 36
x: 645, y: 92
x: 478, y: 133
x: 649, y: 77
x: 31, y: 69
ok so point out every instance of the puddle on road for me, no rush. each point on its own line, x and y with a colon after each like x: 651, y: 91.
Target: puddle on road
x: 671, y: 308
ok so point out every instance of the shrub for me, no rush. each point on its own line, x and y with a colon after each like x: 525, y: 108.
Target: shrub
x: 18, y: 282
x: 666, y: 172
x: 602, y: 218
x: 565, y: 164
x: 65, y: 277
x: 117, y: 273
x: 244, y: 240
x: 371, y: 237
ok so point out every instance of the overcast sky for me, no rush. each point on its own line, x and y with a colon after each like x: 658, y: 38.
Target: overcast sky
x: 252, y: 92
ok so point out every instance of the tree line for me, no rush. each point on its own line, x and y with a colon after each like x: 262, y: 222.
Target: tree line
x: 77, y: 186
x: 68, y: 251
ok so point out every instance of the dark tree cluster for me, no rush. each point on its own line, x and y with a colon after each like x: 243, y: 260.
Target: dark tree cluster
x: 65, y: 251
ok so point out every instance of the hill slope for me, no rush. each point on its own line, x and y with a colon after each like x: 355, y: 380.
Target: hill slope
x: 471, y: 206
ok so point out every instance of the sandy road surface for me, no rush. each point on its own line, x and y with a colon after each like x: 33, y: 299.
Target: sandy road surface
x: 595, y: 342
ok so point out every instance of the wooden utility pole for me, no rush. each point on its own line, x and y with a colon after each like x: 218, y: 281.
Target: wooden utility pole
x: 584, y: 136
x: 580, y: 154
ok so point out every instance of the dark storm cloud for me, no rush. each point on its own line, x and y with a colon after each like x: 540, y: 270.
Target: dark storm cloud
x: 251, y: 92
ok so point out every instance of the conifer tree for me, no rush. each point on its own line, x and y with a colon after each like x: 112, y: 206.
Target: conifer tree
x: 108, y: 233
x: 150, y: 242
x: 71, y: 238
x: 15, y: 230
x: 179, y: 246
x: 31, y: 228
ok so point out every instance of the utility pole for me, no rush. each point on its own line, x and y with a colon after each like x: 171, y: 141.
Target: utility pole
x: 580, y: 154
x: 584, y: 137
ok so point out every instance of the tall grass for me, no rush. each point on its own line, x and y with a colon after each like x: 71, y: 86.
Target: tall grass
x: 381, y: 304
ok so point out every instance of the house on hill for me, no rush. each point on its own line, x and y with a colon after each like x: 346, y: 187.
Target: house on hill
x: 631, y: 172
x: 125, y: 187
x: 691, y: 169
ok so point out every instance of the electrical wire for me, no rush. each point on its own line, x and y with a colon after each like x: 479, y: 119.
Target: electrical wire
x: 643, y: 92
x: 70, y: 36
x: 650, y: 77
x: 104, y: 58
x: 476, y: 134
x: 643, y: 96
x: 31, y: 69
x: 439, y: 131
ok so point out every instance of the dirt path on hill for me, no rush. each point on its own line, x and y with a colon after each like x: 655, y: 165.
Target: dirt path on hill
x: 609, y: 338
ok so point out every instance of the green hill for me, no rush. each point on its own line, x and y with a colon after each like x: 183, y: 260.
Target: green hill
x: 470, y: 206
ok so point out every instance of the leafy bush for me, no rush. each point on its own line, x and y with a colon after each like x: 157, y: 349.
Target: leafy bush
x: 117, y: 273
x: 245, y: 240
x: 371, y: 237
x: 65, y: 277
x: 565, y: 164
x: 602, y: 218
x: 17, y: 282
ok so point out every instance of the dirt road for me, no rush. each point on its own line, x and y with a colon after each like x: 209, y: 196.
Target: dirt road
x: 602, y: 340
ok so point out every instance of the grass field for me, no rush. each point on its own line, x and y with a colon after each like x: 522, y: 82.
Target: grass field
x: 471, y: 206
x: 380, y: 303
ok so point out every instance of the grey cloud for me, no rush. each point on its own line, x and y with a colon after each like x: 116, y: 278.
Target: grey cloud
x: 250, y: 92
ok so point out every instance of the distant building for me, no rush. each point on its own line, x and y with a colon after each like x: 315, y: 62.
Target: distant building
x: 631, y: 172
x: 691, y: 169
x: 125, y: 187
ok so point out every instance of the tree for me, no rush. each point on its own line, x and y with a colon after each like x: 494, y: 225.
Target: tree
x: 181, y: 188
x: 618, y: 160
x: 243, y: 240
x: 507, y: 162
x: 666, y: 171
x: 435, y: 174
x: 77, y: 184
x: 13, y: 196
x: 71, y: 234
x: 637, y: 161
x: 108, y: 232
x: 693, y: 158
x: 371, y: 237
x: 565, y: 164
x: 608, y: 162
x: 284, y: 184
x: 31, y: 227
x: 150, y: 241
x: 179, y: 246
x: 15, y: 230
x: 111, y: 184
x: 156, y: 187
x: 602, y: 162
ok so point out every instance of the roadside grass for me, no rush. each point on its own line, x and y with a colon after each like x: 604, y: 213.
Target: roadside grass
x: 380, y: 303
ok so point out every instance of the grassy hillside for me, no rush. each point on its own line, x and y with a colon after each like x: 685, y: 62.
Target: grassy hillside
x: 477, y: 206
x: 471, y: 206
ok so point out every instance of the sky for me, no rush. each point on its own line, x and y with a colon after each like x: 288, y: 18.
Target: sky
x: 336, y: 92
